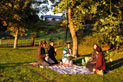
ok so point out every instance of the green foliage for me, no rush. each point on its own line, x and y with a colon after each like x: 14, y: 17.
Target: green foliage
x: 109, y: 55
x: 111, y: 31
x: 89, y: 40
x: 81, y: 10
x: 111, y: 23
x: 18, y: 13
x: 50, y: 26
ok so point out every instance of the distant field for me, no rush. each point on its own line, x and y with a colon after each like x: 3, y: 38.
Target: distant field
x: 12, y: 68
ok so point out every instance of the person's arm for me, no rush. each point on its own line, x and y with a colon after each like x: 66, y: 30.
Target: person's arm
x: 65, y: 53
x: 99, y: 62
x: 71, y: 53
x: 93, y: 62
x: 55, y: 51
x: 43, y: 55
x: 50, y: 51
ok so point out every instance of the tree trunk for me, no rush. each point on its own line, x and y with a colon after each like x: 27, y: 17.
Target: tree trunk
x: 16, y: 38
x: 73, y: 34
x: 33, y: 40
x: 66, y: 34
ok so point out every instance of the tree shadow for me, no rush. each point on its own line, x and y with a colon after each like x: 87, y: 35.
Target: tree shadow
x: 85, y: 55
x: 78, y: 61
x: 115, y: 64
x: 110, y: 65
x: 12, y: 65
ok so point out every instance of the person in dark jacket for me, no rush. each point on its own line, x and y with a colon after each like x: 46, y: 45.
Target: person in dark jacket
x: 52, y: 52
x: 41, y: 55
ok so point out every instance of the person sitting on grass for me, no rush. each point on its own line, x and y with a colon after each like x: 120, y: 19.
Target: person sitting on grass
x: 91, y: 63
x: 100, y: 67
x: 67, y: 55
x: 52, y: 53
x: 41, y: 55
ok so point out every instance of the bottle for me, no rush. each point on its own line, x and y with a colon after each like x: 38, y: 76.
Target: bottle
x: 83, y: 61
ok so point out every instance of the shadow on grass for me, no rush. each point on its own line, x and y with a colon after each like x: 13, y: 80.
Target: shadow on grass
x: 78, y: 61
x: 12, y: 65
x: 111, y: 65
x: 115, y: 64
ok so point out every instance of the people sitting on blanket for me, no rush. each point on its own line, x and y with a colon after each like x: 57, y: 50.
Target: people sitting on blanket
x: 91, y: 63
x: 67, y: 55
x: 41, y: 55
x: 100, y: 66
x: 51, y: 53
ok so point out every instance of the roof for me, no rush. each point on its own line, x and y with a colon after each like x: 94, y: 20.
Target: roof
x: 53, y: 16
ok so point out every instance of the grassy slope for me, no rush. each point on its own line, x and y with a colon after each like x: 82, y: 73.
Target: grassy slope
x: 13, y: 70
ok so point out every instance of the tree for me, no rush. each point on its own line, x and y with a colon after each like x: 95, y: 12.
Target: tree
x: 78, y: 11
x: 111, y: 23
x: 18, y: 15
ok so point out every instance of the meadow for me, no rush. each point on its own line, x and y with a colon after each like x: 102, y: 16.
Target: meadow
x: 14, y: 67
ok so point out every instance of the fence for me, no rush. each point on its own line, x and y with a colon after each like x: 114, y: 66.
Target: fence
x: 20, y: 43
x: 25, y: 42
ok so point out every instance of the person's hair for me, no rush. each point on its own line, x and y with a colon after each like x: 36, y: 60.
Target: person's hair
x: 99, y: 49
x: 44, y: 42
x: 41, y: 43
x: 52, y: 41
x: 97, y: 46
x: 68, y: 43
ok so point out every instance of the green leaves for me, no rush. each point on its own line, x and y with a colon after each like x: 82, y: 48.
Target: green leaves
x: 110, y: 30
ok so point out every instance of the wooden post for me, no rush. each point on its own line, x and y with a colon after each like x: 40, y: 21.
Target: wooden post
x: 21, y: 42
x: 7, y: 42
x: 0, y: 41
x: 26, y: 42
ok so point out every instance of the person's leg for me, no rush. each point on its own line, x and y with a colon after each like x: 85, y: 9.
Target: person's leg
x: 56, y: 62
x: 100, y: 72
x: 54, y: 59
x: 50, y: 61
x: 44, y: 63
x: 90, y: 66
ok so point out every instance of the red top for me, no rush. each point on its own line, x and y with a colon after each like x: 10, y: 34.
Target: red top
x: 100, y: 62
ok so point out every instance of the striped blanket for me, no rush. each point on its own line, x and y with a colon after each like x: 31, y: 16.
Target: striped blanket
x: 70, y: 69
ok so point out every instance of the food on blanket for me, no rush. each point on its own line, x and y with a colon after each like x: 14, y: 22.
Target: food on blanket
x: 87, y: 59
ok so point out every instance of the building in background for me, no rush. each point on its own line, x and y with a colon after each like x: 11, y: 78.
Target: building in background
x: 52, y: 17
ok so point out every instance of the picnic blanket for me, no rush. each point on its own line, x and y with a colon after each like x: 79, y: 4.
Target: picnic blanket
x: 70, y: 69
x: 66, y: 69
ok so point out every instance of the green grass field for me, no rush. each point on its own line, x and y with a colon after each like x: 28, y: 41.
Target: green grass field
x: 12, y: 68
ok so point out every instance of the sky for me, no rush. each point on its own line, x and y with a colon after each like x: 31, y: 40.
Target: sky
x: 49, y: 6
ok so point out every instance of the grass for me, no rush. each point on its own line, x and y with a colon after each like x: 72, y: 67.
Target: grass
x: 12, y: 68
